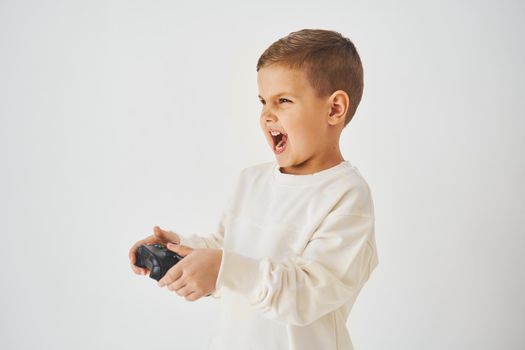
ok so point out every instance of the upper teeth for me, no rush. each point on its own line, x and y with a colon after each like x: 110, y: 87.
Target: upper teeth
x: 275, y: 133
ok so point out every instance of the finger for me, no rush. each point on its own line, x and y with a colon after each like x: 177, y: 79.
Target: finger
x: 139, y: 270
x: 182, y: 250
x: 171, y: 276
x: 166, y: 236
x: 162, y: 234
x: 133, y: 259
x: 184, y: 291
x: 148, y: 240
x: 193, y: 296
x: 132, y: 253
x: 178, y: 284
x: 135, y: 246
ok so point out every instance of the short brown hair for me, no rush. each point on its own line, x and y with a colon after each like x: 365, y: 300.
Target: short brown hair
x: 330, y: 61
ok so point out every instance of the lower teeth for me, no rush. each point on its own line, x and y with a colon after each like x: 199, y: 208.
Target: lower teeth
x: 281, y: 143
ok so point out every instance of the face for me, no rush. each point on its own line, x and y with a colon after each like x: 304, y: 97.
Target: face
x: 290, y: 106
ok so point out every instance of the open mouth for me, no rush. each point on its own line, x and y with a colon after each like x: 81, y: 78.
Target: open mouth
x: 279, y: 141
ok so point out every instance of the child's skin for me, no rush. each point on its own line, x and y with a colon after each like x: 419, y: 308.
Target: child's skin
x: 192, y: 277
x: 313, y: 126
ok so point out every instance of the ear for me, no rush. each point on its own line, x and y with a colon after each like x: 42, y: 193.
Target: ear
x: 339, y: 102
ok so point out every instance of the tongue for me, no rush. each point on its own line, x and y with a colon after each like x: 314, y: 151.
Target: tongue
x: 283, y: 141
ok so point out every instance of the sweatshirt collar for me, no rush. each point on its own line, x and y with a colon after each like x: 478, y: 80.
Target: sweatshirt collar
x: 302, y: 180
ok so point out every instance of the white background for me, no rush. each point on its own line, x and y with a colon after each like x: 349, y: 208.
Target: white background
x: 117, y: 116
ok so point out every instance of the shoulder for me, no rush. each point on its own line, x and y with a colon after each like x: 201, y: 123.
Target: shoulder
x: 256, y: 171
x: 258, y: 168
x: 354, y: 193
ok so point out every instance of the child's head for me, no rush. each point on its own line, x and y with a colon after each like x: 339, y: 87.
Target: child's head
x: 310, y: 84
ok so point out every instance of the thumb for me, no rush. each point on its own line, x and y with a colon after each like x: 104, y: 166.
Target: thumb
x: 159, y: 232
x: 166, y: 235
x: 182, y: 250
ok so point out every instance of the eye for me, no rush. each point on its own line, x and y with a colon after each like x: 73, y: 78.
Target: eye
x: 281, y: 99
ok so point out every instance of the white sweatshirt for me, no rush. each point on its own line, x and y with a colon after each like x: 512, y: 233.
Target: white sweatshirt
x: 297, y: 249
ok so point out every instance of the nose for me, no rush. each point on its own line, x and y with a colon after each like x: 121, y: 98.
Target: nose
x: 268, y: 116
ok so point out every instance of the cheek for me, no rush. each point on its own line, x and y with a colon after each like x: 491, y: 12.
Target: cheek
x: 262, y: 125
x: 305, y: 137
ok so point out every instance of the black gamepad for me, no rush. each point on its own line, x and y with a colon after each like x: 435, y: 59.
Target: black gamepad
x: 156, y: 258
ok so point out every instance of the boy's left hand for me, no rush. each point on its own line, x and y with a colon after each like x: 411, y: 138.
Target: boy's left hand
x: 194, y: 276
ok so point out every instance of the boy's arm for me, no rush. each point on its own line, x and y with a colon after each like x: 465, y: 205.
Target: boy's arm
x: 298, y: 290
x: 214, y: 241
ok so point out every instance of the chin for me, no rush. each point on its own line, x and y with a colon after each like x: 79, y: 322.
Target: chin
x: 284, y: 163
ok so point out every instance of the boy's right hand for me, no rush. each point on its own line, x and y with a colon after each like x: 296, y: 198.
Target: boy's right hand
x: 159, y: 236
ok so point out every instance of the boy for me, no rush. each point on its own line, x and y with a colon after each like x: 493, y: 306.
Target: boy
x: 296, y: 243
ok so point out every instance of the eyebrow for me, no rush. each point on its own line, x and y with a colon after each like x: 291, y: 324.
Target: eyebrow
x: 280, y: 94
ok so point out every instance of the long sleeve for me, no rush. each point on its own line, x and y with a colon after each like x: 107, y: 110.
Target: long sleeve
x: 300, y: 289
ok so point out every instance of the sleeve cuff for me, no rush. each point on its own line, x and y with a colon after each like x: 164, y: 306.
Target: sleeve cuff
x: 192, y: 241
x: 238, y: 273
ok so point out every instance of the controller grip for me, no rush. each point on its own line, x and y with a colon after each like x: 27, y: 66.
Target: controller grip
x: 156, y: 258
